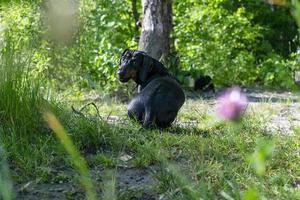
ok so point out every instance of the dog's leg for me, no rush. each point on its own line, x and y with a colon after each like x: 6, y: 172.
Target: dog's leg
x: 149, y: 119
x: 139, y: 88
x: 136, y: 110
x: 165, y: 119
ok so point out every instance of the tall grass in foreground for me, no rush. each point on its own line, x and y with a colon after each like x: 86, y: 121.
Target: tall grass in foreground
x: 20, y: 96
x: 20, y: 102
x: 18, y: 106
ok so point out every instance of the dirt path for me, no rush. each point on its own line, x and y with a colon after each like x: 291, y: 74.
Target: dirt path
x: 284, y: 109
x: 131, y: 183
x: 281, y: 109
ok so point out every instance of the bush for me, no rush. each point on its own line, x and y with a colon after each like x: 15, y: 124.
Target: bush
x: 21, y: 95
x: 233, y: 43
x: 89, y: 57
x: 107, y: 29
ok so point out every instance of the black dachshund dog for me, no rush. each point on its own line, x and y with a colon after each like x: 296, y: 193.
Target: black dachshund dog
x: 159, y: 95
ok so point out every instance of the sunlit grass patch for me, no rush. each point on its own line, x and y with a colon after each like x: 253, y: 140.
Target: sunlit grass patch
x: 219, y: 165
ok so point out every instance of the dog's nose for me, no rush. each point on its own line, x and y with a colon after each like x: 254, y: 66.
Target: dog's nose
x: 120, y: 73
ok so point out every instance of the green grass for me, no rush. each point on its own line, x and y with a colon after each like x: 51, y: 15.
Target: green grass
x: 210, y: 161
x: 214, y: 159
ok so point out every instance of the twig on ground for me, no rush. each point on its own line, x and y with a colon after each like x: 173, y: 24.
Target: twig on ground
x: 84, y: 106
x: 77, y: 112
x: 108, y: 116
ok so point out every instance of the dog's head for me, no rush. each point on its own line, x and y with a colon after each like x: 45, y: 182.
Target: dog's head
x: 134, y: 65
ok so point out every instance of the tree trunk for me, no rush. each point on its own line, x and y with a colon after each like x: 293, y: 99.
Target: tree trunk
x: 156, y: 28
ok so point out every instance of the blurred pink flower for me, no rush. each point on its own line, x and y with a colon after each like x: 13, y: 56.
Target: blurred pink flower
x: 232, y: 104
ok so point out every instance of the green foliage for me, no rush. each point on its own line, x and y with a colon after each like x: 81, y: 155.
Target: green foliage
x: 107, y: 29
x: 237, y: 42
x: 275, y: 70
x: 296, y: 11
x: 89, y: 57
x: 21, y: 97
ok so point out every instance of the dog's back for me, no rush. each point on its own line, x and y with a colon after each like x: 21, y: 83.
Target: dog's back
x: 164, y: 89
x: 161, y: 98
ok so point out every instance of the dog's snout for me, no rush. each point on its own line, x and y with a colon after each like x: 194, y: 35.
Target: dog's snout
x: 120, y: 72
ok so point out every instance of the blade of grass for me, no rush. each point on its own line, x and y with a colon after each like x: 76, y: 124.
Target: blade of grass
x: 5, y: 181
x: 109, y: 187
x: 296, y: 11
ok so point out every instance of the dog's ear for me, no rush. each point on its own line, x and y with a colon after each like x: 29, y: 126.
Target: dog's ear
x: 146, y: 67
x: 124, y: 52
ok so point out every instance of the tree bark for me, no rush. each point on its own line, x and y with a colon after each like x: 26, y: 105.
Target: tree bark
x: 156, y: 28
